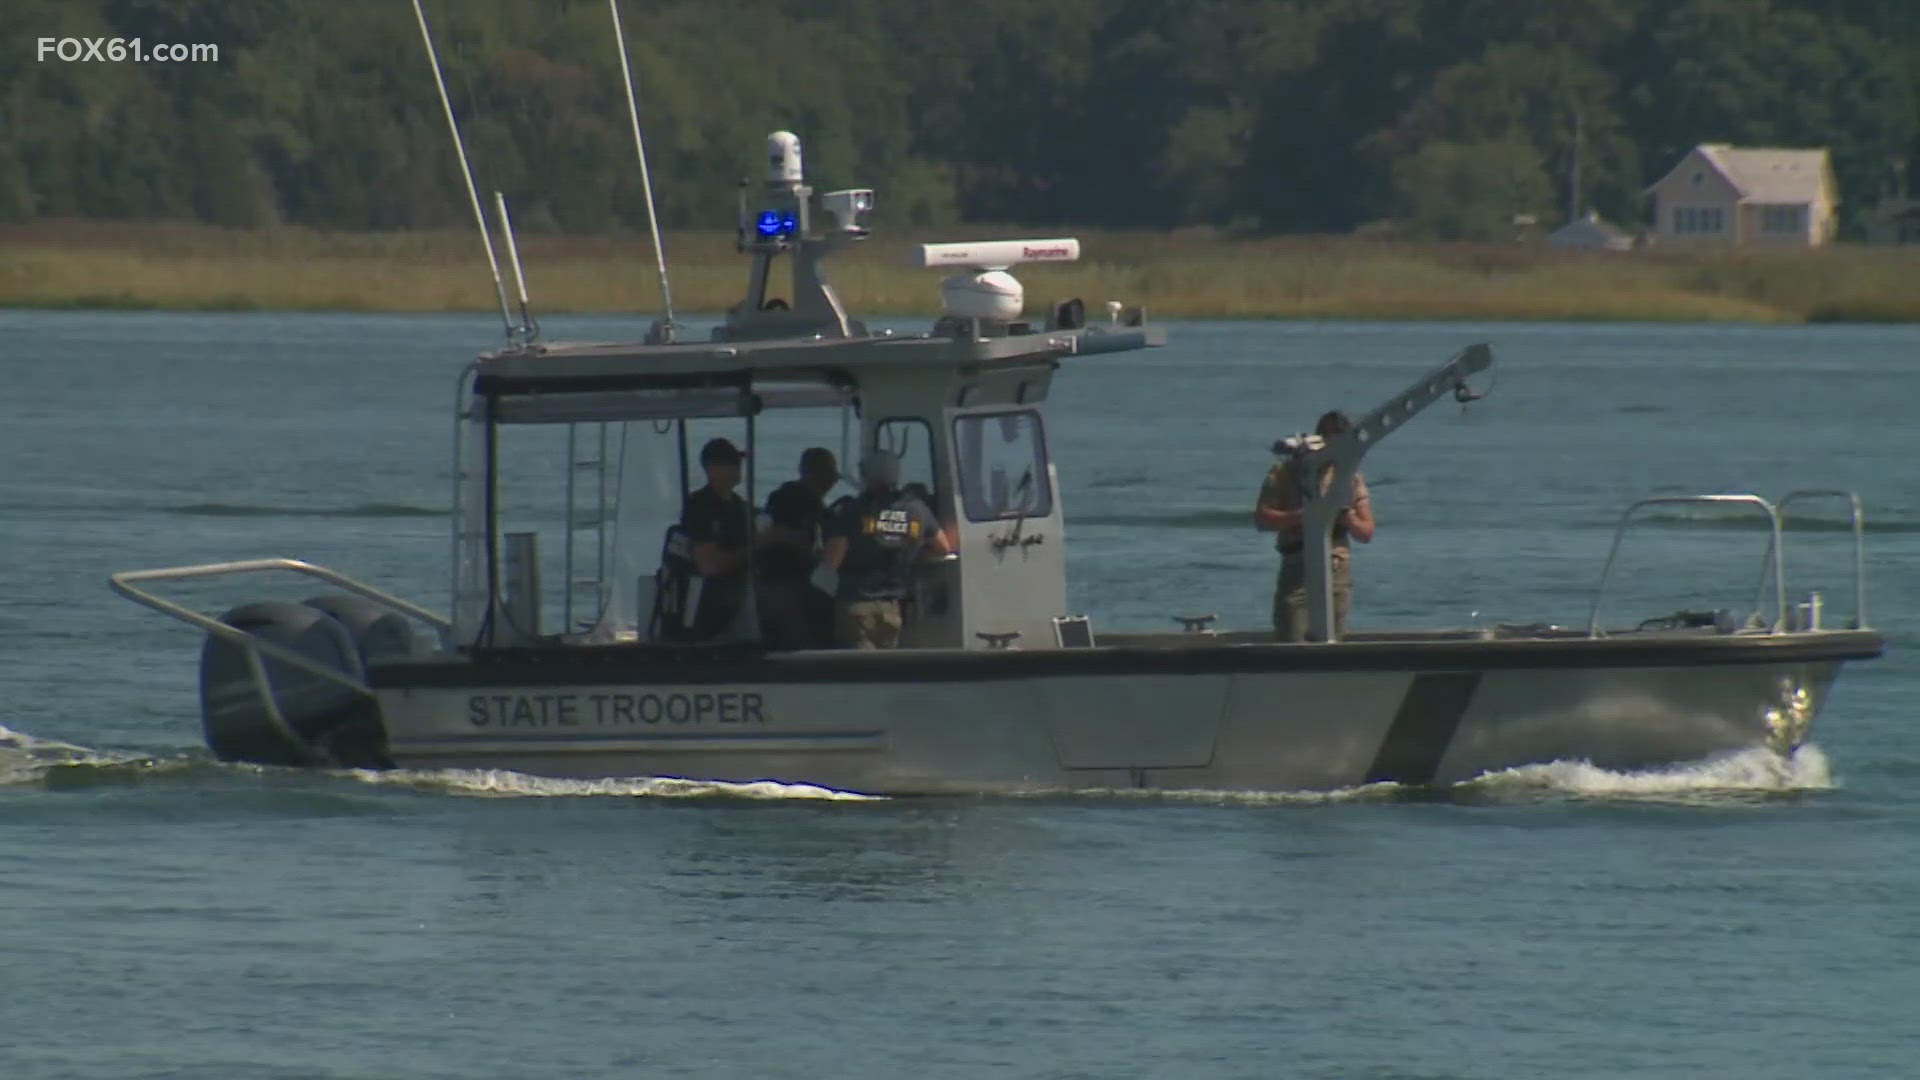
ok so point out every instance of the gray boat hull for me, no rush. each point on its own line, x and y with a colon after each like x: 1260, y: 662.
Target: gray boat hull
x: 1219, y: 716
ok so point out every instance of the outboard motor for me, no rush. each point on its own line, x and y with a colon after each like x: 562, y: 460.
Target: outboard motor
x: 377, y: 631
x: 326, y: 723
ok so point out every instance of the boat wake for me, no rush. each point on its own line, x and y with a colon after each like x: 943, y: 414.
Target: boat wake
x: 503, y: 784
x: 1750, y: 775
x: 27, y: 760
x: 1384, y: 792
x: 1747, y: 775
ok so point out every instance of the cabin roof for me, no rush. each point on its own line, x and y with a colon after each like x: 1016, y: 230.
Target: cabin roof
x: 557, y: 382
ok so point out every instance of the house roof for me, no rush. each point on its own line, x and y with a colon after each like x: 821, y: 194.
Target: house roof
x: 1770, y: 174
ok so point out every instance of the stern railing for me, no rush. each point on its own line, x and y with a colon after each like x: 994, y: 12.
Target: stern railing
x: 253, y: 645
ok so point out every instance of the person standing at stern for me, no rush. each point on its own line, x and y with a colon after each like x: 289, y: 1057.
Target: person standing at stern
x: 873, y: 540
x: 1280, y: 509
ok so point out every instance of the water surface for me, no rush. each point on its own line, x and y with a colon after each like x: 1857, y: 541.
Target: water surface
x: 168, y: 916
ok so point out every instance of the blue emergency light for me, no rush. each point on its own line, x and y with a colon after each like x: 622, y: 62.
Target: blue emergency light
x: 773, y: 224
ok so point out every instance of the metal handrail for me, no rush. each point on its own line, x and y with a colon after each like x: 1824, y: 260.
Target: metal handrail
x: 1773, y: 522
x: 122, y: 583
x: 1859, y: 541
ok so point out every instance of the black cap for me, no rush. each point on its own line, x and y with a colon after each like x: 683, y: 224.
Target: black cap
x: 720, y: 450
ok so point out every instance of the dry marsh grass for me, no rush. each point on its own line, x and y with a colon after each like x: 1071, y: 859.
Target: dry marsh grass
x: 1177, y: 275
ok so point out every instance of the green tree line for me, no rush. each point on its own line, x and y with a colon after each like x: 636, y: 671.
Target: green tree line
x: 1413, y: 117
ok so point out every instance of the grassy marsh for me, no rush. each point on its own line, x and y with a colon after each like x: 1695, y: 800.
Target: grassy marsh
x: 1177, y: 275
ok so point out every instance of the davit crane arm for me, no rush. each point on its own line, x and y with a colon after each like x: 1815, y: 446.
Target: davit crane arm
x: 1344, y: 452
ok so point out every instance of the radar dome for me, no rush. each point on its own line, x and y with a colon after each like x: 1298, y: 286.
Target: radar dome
x: 993, y: 295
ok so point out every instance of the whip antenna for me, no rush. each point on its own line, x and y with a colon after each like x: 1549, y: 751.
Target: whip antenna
x: 529, y: 328
x: 473, y: 195
x: 646, y: 185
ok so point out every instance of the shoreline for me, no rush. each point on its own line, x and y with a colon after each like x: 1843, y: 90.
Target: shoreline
x: 147, y: 266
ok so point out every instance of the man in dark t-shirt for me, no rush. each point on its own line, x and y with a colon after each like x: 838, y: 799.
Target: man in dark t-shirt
x: 873, y: 540
x: 720, y: 529
x: 793, y: 613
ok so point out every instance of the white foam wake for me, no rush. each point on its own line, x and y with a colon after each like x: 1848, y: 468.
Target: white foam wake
x: 502, y: 783
x: 1755, y: 771
x: 1378, y: 792
x: 26, y: 759
x: 1747, y: 774
x: 20, y: 741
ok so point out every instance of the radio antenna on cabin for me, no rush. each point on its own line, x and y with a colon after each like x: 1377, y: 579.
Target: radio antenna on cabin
x: 529, y: 326
x: 664, y: 330
x: 473, y: 194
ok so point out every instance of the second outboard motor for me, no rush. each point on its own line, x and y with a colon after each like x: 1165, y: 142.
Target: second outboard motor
x: 377, y: 631
x: 325, y: 721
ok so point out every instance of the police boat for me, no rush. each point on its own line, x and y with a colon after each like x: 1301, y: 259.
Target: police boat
x: 570, y: 647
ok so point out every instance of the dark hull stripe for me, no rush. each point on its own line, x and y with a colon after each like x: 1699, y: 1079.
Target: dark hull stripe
x: 1423, y: 728
x: 649, y: 665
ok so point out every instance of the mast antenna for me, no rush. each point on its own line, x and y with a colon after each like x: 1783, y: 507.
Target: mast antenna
x: 473, y: 194
x: 529, y: 326
x: 666, y: 327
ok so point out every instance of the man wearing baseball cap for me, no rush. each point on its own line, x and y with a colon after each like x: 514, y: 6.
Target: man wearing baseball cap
x: 719, y: 526
x: 873, y: 541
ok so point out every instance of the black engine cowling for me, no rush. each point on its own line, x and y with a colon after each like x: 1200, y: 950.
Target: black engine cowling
x: 326, y: 723
x: 377, y: 631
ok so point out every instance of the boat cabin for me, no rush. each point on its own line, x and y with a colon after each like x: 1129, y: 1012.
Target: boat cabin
x: 573, y: 460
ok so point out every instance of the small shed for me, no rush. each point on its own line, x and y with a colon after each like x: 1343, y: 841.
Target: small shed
x: 1589, y: 231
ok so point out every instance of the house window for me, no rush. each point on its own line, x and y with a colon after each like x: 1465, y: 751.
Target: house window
x: 1699, y: 220
x: 1783, y: 220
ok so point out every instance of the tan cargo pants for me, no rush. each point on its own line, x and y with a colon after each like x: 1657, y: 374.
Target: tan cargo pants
x: 1290, y: 596
x: 867, y: 624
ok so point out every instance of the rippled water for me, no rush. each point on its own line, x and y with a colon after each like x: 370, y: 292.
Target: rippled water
x: 169, y: 916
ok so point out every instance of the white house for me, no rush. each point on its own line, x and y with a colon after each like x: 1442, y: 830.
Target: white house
x: 1746, y: 195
